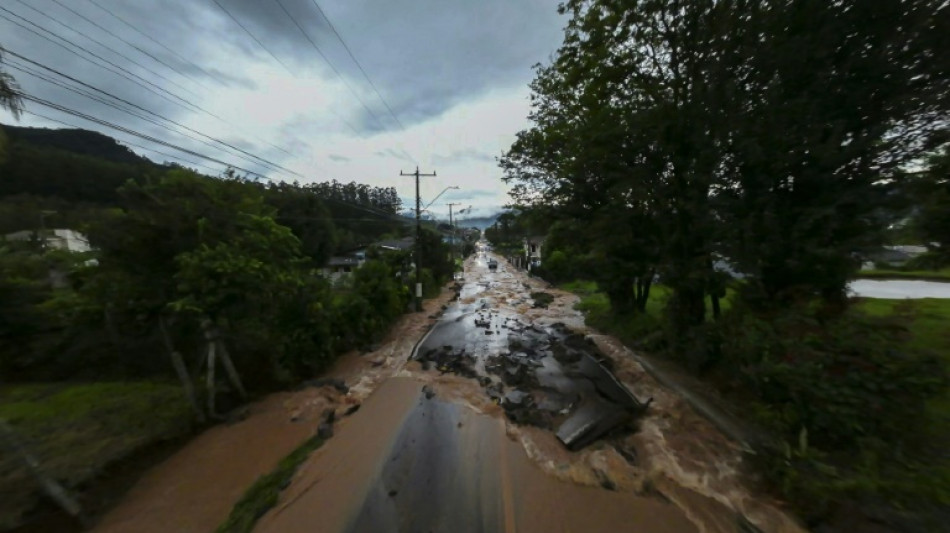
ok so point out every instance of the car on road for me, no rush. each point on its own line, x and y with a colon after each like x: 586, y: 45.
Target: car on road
x: 492, y: 264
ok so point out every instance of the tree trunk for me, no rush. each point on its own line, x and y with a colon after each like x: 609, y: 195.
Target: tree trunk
x: 210, y: 380
x: 179, y: 364
x: 52, y: 488
x: 715, y: 306
x: 229, y: 368
x: 213, y: 337
x: 643, y: 291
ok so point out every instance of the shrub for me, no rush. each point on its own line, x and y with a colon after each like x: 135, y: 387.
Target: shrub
x: 847, y: 401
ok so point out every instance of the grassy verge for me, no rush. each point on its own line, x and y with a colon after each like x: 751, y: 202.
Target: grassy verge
x: 76, y: 430
x: 927, y: 275
x: 263, y: 494
x: 868, y: 372
x: 926, y: 322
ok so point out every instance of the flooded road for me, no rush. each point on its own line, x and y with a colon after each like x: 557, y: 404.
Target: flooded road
x: 473, y: 434
x: 899, y: 289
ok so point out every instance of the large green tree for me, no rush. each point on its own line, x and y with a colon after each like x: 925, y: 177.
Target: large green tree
x: 759, y: 131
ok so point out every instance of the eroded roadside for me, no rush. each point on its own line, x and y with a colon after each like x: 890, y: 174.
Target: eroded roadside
x: 500, y: 364
x: 196, y: 488
x: 466, y: 439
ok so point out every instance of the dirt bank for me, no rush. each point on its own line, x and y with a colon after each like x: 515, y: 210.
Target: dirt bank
x: 411, y: 462
x: 195, y: 489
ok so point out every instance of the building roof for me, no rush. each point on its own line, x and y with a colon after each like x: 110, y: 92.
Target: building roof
x: 535, y: 240
x: 343, y: 261
x: 405, y: 243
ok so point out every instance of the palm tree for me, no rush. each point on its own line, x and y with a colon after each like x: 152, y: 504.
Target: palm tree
x: 9, y: 92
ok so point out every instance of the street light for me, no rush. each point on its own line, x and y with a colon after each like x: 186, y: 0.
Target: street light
x: 440, y: 194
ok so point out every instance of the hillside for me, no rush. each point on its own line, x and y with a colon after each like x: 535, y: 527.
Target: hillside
x: 81, y: 142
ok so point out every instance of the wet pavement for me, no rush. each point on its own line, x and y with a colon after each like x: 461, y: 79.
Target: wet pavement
x: 545, y: 376
x: 512, y: 416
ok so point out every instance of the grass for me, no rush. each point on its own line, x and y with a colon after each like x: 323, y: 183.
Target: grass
x: 263, y: 494
x: 76, y: 430
x: 926, y: 322
x: 921, y: 328
x: 929, y: 275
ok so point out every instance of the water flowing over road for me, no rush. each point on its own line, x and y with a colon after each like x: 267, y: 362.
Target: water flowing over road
x: 470, y: 435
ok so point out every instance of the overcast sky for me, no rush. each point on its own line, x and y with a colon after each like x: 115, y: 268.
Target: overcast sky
x: 453, y: 72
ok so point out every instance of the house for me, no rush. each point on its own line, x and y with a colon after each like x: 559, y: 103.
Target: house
x: 60, y: 239
x: 892, y: 255
x: 341, y: 266
x: 406, y: 243
x: 532, y: 251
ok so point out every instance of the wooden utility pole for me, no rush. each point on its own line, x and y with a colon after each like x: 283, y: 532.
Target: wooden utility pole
x: 452, y: 245
x: 417, y: 174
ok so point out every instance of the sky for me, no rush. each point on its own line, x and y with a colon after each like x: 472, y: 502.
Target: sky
x: 445, y: 84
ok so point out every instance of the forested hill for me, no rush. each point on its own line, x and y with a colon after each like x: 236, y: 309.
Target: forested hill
x: 69, y: 176
x: 82, y: 142
x: 70, y: 165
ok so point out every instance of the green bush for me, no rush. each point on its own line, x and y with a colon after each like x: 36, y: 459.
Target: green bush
x: 846, y: 398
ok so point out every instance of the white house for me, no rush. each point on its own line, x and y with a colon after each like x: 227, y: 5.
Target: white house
x: 60, y: 239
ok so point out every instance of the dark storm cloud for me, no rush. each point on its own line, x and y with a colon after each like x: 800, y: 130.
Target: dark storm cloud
x: 423, y: 55
x: 63, y: 49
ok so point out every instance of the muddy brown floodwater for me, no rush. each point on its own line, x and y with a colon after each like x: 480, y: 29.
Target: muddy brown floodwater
x: 465, y: 436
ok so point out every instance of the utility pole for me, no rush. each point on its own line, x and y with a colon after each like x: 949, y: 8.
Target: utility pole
x: 452, y: 245
x: 417, y: 174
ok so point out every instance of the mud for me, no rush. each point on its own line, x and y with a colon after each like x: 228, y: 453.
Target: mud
x: 194, y: 490
x: 545, y: 376
x: 672, y: 450
x: 470, y: 443
x: 445, y: 468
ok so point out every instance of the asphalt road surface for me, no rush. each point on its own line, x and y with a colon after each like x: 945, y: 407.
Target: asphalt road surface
x: 507, y: 420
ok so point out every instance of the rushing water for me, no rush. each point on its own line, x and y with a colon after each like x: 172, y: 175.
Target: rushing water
x: 898, y: 289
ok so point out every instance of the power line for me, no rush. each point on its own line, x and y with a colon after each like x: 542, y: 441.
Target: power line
x: 353, y: 57
x: 143, y: 34
x: 292, y: 73
x: 365, y: 75
x: 121, y: 71
x: 90, y: 118
x: 91, y: 96
x: 327, y: 61
x: 100, y: 43
x: 190, y: 106
x: 128, y: 43
x: 177, y: 56
x: 381, y: 214
x: 140, y: 108
x: 247, y: 31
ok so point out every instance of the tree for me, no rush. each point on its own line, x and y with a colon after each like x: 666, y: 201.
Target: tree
x: 932, y: 223
x: 759, y: 131
x: 835, y: 98
x: 9, y: 92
